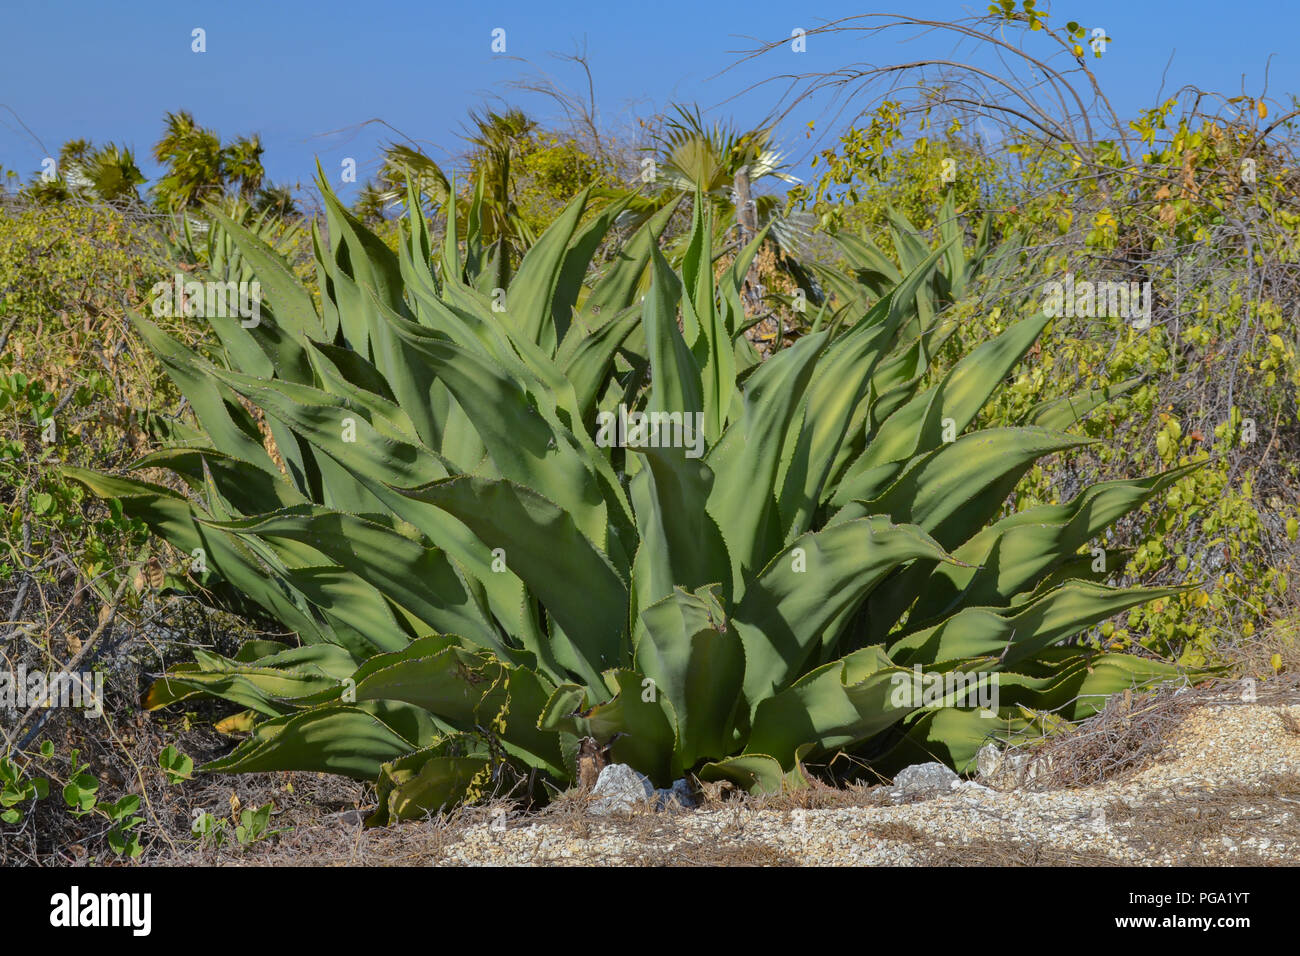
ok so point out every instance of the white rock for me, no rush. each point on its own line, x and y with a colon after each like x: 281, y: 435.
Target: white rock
x: 988, y: 762
x: 923, y: 778
x: 620, y: 789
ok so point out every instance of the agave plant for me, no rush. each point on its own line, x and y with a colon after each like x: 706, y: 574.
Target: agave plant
x: 194, y: 241
x: 871, y: 273
x: 477, y: 579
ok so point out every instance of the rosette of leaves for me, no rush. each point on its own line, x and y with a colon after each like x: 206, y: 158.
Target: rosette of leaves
x: 475, y: 583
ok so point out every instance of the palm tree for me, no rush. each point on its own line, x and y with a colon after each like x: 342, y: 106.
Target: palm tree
x: 724, y: 166
x: 107, y: 173
x: 499, y: 140
x: 241, y: 163
x: 372, y: 201
x: 200, y: 168
x: 112, y: 173
x: 193, y: 159
x: 403, y: 164
x: 276, y: 200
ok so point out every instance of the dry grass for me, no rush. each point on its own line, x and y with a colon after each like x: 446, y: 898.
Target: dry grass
x: 984, y: 852
x: 1213, y: 827
x: 1256, y: 656
x: 1131, y: 733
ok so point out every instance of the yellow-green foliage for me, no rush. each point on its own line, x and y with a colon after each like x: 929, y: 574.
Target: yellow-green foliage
x: 1230, y: 527
x: 861, y: 179
x: 66, y: 274
x: 550, y: 172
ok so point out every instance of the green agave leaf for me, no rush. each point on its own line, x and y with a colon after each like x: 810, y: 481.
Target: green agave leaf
x: 953, y: 736
x: 634, y: 718
x: 542, y: 544
x: 680, y: 543
x: 328, y: 660
x: 697, y: 665
x: 835, y: 399
x: 757, y: 773
x: 331, y: 320
x: 617, y: 290
x: 245, y: 486
x: 733, y: 310
x: 562, y: 709
x: 518, y: 703
x: 674, y: 375
x: 953, y: 491
x: 532, y: 305
x: 1072, y: 409
x: 169, y: 689
x: 705, y: 324
x: 294, y: 308
x: 413, y: 575
x: 415, y: 256
x: 376, y: 463
x: 649, y: 740
x: 272, y: 684
x: 523, y: 444
x: 355, y: 442
x: 747, y: 459
x: 346, y: 599
x: 449, y: 683
x: 876, y: 271
x: 956, y: 275
x: 831, y: 707
x: 359, y: 253
x: 1074, y: 682
x: 267, y: 691
x: 895, y: 380
x: 1116, y: 559
x: 425, y: 782
x: 228, y: 425
x: 176, y: 521
x: 1011, y: 556
x: 1077, y: 691
x: 467, y: 690
x: 411, y: 380
x: 577, y: 261
x: 254, y: 649
x: 918, y: 426
x: 697, y: 276
x: 346, y: 374
x: 906, y: 239
x: 330, y: 739
x: 586, y: 357
x: 1014, y: 635
x: 786, y: 616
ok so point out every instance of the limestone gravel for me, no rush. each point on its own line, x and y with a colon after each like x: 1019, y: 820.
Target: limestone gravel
x: 1226, y: 790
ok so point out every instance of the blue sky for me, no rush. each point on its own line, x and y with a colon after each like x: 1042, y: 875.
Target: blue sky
x: 307, y: 76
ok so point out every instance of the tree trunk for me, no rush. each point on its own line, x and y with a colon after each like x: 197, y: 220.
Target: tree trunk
x: 752, y: 293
